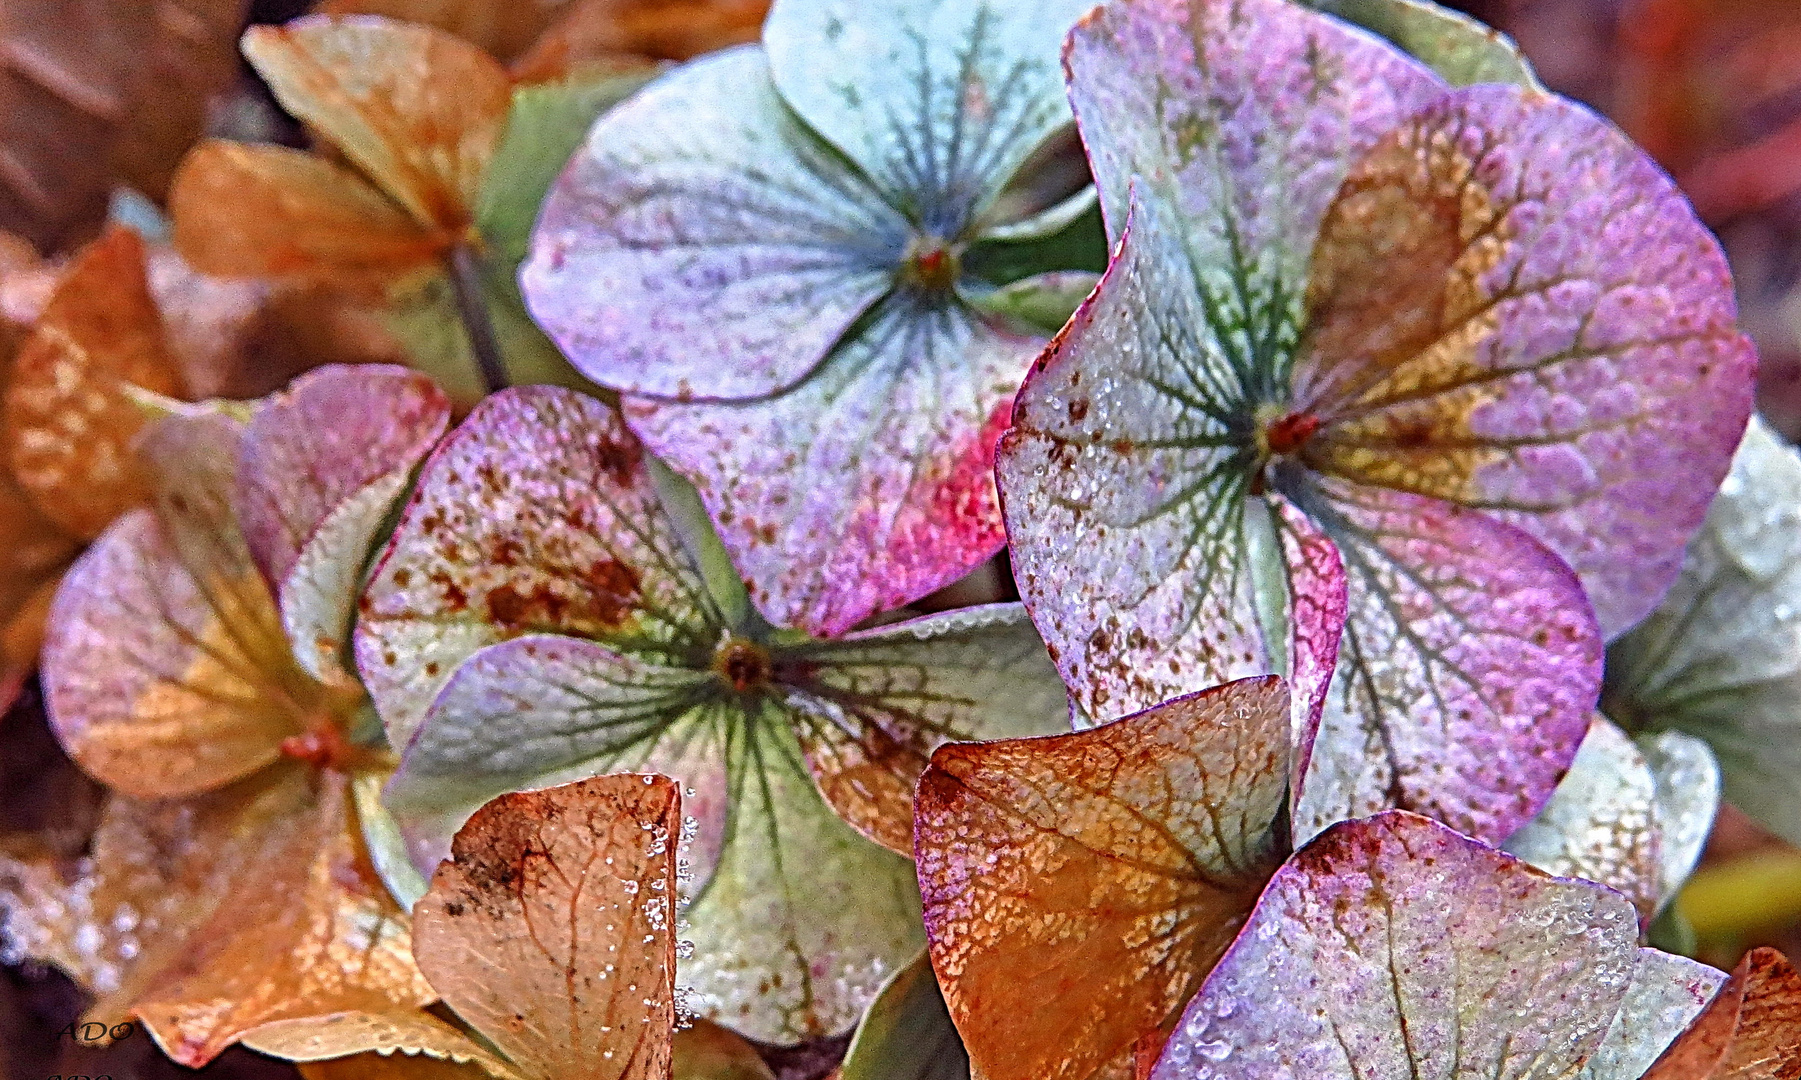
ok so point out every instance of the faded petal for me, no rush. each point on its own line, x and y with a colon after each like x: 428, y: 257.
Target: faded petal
x: 1078, y: 887
x: 1751, y: 1030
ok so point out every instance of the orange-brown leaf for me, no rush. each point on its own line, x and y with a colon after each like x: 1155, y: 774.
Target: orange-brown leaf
x: 33, y: 549
x: 69, y: 425
x: 552, y: 930
x: 1078, y: 887
x: 267, y: 211
x: 311, y: 932
x: 608, y: 32
x: 417, y: 110
x: 501, y: 28
x: 1751, y: 1030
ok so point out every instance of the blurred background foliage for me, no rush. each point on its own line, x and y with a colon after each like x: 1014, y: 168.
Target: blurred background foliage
x: 96, y: 94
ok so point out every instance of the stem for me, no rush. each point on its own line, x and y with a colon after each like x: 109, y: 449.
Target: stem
x: 466, y: 282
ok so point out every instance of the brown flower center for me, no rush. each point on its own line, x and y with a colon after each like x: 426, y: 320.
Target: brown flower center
x: 743, y: 665
x: 931, y: 265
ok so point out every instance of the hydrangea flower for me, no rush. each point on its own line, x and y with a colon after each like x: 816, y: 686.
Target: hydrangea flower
x: 1720, y: 659
x: 553, y: 605
x: 193, y: 665
x: 1392, y: 946
x: 1457, y: 362
x: 788, y: 260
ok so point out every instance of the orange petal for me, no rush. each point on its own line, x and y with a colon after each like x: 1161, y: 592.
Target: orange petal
x: 267, y: 211
x: 188, y: 56
x: 22, y: 636
x: 374, y: 1066
x: 501, y: 28
x: 68, y: 423
x: 416, y: 109
x: 1751, y: 1030
x: 1079, y: 887
x: 610, y: 33
x: 552, y: 930
x: 415, y: 1042
x: 312, y: 931
x: 32, y: 549
x: 156, y: 871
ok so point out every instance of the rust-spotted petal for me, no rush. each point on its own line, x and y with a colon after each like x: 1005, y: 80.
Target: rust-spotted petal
x: 1513, y: 308
x: 1751, y: 1030
x: 268, y: 211
x: 323, y: 463
x: 69, y: 423
x: 1078, y: 887
x: 552, y: 930
x: 416, y: 109
x: 870, y: 707
x: 538, y: 514
x: 166, y: 671
x: 1392, y: 946
x: 1468, y: 670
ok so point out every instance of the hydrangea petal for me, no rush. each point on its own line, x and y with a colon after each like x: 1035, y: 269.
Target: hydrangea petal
x: 804, y: 919
x: 939, y: 103
x: 418, y: 110
x: 536, y: 514
x: 268, y: 211
x: 541, y: 710
x: 69, y: 421
x: 1665, y: 994
x: 1134, y: 552
x: 1245, y: 146
x: 1688, y: 799
x: 907, y: 1033
x: 1078, y: 886
x: 167, y: 671
x: 1468, y: 670
x: 1749, y: 1031
x: 1561, y: 354
x: 868, y: 485
x: 311, y: 932
x: 701, y: 223
x: 871, y: 707
x: 1601, y: 823
x: 1720, y: 659
x: 552, y: 930
x: 323, y: 462
x: 405, y: 1036
x: 1393, y: 946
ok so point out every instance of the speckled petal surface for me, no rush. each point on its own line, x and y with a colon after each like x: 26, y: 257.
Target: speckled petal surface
x: 1601, y: 823
x: 1513, y: 308
x: 870, y: 707
x: 1078, y: 886
x: 1135, y: 542
x: 1664, y: 996
x: 1392, y: 947
x: 869, y: 484
x: 703, y: 243
x: 1468, y: 670
x: 1720, y: 659
x: 1245, y: 146
x: 536, y: 515
x: 938, y: 101
x: 322, y: 464
x: 1749, y: 1031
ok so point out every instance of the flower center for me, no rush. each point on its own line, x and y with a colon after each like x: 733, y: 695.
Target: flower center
x: 1279, y: 434
x: 930, y: 264
x: 323, y: 747
x: 743, y: 665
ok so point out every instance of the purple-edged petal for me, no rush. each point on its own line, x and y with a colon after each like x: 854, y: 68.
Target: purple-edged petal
x: 871, y: 482
x: 1394, y: 947
x: 939, y: 103
x: 538, y: 514
x: 1245, y: 144
x: 1513, y: 308
x: 1469, y: 666
x: 166, y: 671
x: 1135, y: 541
x: 322, y: 464
x: 704, y: 244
